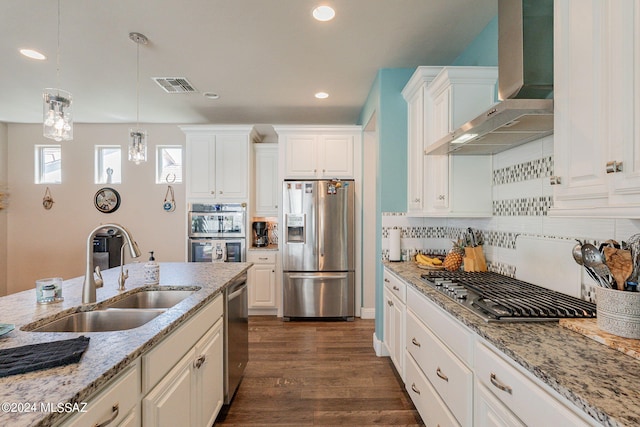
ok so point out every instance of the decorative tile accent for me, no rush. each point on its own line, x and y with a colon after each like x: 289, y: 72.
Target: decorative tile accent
x: 533, y: 169
x: 528, y: 206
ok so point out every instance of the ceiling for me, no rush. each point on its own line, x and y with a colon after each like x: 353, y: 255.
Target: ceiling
x: 265, y: 58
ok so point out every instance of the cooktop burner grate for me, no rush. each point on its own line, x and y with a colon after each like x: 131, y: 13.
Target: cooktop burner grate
x: 493, y: 297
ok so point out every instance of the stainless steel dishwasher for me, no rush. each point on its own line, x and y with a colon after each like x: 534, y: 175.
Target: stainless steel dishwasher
x: 236, y: 335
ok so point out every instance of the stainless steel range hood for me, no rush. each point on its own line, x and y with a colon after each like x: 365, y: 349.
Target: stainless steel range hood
x: 525, y: 84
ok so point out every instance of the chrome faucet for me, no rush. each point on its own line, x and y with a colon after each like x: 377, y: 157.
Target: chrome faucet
x: 89, y: 285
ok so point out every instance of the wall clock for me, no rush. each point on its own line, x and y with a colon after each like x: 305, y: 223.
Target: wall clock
x: 107, y: 200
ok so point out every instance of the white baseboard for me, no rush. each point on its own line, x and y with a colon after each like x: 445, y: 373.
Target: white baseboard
x: 379, y: 347
x: 367, y: 313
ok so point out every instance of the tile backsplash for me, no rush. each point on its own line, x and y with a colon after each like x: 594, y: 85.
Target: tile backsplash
x: 522, y: 197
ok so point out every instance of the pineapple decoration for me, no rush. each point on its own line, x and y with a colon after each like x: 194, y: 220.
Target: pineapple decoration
x: 453, y: 260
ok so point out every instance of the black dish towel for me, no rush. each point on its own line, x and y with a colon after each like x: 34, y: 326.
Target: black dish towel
x: 19, y: 360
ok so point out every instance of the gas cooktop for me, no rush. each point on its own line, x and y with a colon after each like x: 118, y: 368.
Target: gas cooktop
x: 495, y: 297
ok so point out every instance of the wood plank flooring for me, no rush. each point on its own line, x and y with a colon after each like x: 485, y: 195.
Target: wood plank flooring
x: 317, y: 373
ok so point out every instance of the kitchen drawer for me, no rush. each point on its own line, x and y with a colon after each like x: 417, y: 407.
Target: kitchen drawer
x: 124, y: 392
x: 262, y: 257
x: 425, y: 398
x: 161, y: 358
x: 451, y: 332
x: 449, y: 376
x: 397, y: 286
x: 528, y: 401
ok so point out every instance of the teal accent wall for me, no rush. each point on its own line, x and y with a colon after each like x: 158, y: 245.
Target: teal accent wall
x: 386, y: 101
x: 483, y: 50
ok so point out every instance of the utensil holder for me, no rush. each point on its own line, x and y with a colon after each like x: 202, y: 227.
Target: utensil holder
x: 618, y: 312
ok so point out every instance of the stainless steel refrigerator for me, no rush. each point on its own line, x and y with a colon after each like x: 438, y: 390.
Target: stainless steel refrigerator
x: 318, y: 254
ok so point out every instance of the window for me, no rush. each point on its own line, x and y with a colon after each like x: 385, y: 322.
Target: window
x: 108, y: 165
x: 169, y: 164
x: 48, y: 164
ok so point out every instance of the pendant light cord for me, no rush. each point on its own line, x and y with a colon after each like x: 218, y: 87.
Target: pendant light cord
x: 58, y: 51
x: 138, y: 85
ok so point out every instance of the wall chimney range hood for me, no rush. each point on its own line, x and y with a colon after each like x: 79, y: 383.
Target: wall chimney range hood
x: 525, y: 85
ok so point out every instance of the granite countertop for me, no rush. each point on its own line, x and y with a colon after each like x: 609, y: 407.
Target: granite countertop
x: 601, y: 381
x: 108, y: 352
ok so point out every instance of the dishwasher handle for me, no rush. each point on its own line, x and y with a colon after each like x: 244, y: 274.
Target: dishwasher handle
x: 237, y: 292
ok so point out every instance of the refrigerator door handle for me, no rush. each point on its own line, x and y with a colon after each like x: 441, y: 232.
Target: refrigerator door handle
x: 323, y: 276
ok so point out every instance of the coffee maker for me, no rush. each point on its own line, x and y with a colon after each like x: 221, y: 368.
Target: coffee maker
x: 260, y: 234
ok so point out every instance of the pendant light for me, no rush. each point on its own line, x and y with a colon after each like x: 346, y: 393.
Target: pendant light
x: 138, y: 136
x: 57, y: 120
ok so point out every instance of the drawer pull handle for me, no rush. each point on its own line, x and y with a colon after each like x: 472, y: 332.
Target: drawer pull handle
x: 200, y: 361
x: 415, y: 342
x: 116, y: 410
x: 441, y: 375
x: 386, y: 280
x: 395, y: 288
x: 390, y: 303
x: 263, y: 258
x: 414, y: 388
x: 499, y: 384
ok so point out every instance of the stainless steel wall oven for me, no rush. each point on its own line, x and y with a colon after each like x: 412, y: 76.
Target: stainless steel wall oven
x: 217, y: 232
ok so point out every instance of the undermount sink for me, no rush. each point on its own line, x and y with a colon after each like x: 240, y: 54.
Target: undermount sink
x: 101, y: 320
x: 153, y: 298
x: 130, y: 311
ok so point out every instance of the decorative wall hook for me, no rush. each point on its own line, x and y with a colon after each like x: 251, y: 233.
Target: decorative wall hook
x: 169, y: 200
x: 47, y: 200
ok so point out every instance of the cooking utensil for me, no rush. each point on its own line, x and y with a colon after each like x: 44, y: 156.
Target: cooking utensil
x: 577, y: 253
x: 619, y: 263
x: 592, y: 258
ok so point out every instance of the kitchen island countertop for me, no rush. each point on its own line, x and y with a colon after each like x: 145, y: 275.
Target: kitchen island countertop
x: 598, y: 380
x: 109, y: 352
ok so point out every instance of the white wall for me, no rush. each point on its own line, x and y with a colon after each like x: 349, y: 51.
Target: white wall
x: 43, y: 243
x: 3, y: 213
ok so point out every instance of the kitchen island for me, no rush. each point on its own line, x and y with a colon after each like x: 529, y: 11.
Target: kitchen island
x: 108, y: 353
x: 593, y: 378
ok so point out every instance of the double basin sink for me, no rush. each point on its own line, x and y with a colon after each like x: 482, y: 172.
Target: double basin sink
x: 130, y: 311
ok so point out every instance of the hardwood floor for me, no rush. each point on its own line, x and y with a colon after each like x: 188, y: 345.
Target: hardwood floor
x: 317, y: 373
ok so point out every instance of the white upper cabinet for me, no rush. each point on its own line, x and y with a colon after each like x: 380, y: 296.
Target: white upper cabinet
x: 217, y: 164
x: 266, y: 179
x: 314, y: 152
x: 414, y: 93
x: 597, y: 108
x: 440, y: 100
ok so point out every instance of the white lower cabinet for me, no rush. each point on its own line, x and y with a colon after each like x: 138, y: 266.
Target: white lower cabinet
x: 116, y: 405
x: 182, y: 376
x: 262, y: 281
x: 524, y: 398
x: 441, y: 355
x: 191, y: 393
x: 456, y: 378
x: 394, y: 320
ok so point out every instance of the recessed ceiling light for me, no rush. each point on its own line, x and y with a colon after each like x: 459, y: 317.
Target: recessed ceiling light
x: 33, y: 54
x: 321, y: 95
x: 324, y: 13
x: 211, y: 95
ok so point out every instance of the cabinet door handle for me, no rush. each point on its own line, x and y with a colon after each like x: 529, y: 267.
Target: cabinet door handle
x: 614, y: 166
x: 441, y: 375
x: 555, y: 180
x: 441, y: 197
x: 220, y: 191
x: 395, y: 288
x: 414, y: 388
x: 415, y: 342
x: 200, y: 361
x: 499, y: 384
x: 386, y: 280
x: 416, y: 200
x: 213, y: 192
x: 389, y: 303
x: 115, y: 409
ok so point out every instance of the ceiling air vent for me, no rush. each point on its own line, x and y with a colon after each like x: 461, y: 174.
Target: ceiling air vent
x: 175, y: 84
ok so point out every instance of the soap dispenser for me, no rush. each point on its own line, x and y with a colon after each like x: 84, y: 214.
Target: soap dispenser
x: 151, y: 271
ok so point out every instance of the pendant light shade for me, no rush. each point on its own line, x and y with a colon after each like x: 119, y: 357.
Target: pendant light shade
x: 57, y: 120
x: 138, y: 136
x: 137, y: 145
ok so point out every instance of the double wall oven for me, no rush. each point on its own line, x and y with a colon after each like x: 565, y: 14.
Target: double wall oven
x: 217, y: 232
